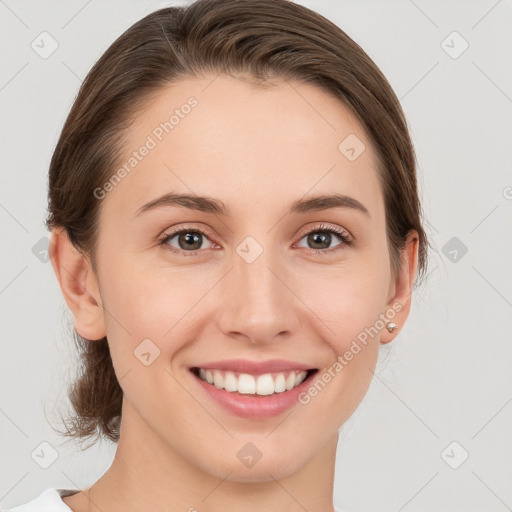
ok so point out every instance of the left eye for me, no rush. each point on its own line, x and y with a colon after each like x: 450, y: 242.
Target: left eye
x: 323, y: 236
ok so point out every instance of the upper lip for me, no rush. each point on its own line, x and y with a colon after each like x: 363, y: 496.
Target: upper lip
x: 253, y: 367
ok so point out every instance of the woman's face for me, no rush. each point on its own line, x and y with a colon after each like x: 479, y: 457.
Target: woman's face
x: 248, y: 283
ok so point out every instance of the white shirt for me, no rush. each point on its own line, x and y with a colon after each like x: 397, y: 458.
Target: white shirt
x: 51, y: 501
x: 48, y: 501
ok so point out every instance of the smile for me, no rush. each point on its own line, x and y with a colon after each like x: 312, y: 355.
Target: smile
x: 247, y: 384
x: 254, y: 390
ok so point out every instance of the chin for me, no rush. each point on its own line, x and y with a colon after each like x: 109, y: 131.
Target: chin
x: 270, y: 465
x: 261, y: 472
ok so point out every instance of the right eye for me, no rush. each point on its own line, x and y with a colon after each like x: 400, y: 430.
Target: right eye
x: 185, y: 241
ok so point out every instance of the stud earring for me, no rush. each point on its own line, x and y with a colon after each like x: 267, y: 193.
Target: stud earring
x: 391, y: 326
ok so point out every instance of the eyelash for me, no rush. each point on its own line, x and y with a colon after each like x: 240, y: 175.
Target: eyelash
x: 346, y: 240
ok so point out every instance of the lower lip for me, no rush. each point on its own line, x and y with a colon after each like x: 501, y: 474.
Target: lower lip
x: 249, y: 406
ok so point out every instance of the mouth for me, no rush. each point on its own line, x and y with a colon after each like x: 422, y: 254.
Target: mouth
x: 252, y: 389
x: 252, y: 385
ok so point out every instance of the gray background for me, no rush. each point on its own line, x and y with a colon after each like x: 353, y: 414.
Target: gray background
x: 446, y: 377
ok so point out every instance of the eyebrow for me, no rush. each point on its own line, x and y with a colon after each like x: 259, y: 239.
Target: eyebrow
x: 217, y: 207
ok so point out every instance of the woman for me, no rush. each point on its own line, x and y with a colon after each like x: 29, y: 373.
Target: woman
x: 236, y: 229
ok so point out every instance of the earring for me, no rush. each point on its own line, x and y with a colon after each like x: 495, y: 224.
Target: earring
x: 391, y: 326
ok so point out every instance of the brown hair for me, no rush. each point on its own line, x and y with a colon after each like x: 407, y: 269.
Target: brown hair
x: 263, y: 39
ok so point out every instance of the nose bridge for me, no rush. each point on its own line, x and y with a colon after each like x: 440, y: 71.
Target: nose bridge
x: 255, y: 300
x: 259, y: 284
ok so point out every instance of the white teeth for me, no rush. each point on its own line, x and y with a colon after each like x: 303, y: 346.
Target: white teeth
x: 230, y: 382
x: 280, y: 384
x: 218, y: 379
x: 290, y: 382
x: 246, y: 384
x: 265, y: 385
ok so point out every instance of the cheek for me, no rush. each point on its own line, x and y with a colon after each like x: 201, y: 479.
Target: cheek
x: 145, y: 298
x: 147, y: 327
x: 147, y: 301
x: 350, y: 304
x: 346, y: 301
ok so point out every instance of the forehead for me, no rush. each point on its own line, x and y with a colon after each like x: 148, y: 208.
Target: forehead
x: 220, y: 136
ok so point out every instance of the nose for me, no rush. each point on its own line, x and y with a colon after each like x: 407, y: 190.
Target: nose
x: 256, y: 301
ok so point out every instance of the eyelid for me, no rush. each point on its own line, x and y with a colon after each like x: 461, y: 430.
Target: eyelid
x: 327, y: 227
x: 347, y: 240
x: 345, y: 236
x: 172, y: 232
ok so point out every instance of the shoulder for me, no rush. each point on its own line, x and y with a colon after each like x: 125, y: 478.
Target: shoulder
x: 49, y: 500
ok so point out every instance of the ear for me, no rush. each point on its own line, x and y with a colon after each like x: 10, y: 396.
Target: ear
x: 79, y: 285
x: 401, y: 287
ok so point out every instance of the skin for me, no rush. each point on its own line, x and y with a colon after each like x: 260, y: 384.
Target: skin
x: 257, y: 150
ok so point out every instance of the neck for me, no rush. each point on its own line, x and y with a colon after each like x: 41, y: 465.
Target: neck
x: 148, y: 474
